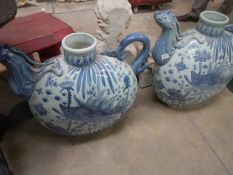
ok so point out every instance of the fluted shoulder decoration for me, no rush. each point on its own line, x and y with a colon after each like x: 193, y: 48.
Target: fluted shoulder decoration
x: 229, y: 28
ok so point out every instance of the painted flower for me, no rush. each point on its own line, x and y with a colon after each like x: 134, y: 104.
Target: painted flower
x: 202, y: 56
x: 48, y: 92
x: 45, y: 100
x: 57, y: 98
x: 39, y: 91
x: 50, y: 81
x: 180, y: 66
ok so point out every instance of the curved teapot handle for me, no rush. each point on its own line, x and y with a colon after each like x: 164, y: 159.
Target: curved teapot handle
x: 139, y: 65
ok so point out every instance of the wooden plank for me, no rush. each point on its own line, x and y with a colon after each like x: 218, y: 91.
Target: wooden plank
x: 34, y: 32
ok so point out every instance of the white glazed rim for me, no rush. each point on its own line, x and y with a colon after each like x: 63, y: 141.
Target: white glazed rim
x: 79, y: 51
x: 202, y: 16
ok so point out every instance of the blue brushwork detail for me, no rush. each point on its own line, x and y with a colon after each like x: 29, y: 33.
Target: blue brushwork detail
x: 173, y: 95
x: 84, y: 83
x: 89, y: 77
x: 98, y: 78
x: 96, y: 108
x: 48, y: 92
x: 23, y: 76
x: 126, y: 82
x: 140, y: 63
x: 40, y: 109
x: 45, y: 100
x: 110, y: 64
x: 50, y: 81
x: 39, y: 91
x: 202, y: 56
x: 165, y: 46
x: 180, y: 66
x: 57, y: 98
x: 108, y: 76
x: 222, y: 46
x: 229, y: 28
x: 211, y: 78
x: 209, y: 30
x: 80, y: 61
x: 111, y: 68
x: 93, y: 74
x: 72, y: 69
x: 56, y: 128
x: 79, y: 81
x: 68, y: 87
x: 160, y: 85
x: 100, y: 72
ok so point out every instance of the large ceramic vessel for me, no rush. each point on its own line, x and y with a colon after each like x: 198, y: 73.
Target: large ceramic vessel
x: 79, y: 92
x: 195, y: 65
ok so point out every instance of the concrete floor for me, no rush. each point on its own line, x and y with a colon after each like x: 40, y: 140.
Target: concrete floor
x: 152, y: 140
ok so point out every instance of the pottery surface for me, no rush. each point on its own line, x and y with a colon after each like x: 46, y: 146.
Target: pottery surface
x: 195, y: 65
x: 80, y: 92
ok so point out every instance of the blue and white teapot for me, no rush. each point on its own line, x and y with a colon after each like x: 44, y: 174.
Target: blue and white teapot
x: 79, y: 92
x: 195, y: 65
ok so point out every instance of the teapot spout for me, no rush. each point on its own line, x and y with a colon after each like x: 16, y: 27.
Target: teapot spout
x: 22, y: 74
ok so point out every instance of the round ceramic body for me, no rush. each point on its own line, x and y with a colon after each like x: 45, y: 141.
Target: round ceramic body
x: 198, y: 66
x: 79, y: 92
x: 89, y: 94
x: 84, y: 100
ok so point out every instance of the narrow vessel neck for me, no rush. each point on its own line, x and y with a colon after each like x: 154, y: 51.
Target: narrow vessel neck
x: 80, y: 60
x: 79, y: 49
x: 212, y: 23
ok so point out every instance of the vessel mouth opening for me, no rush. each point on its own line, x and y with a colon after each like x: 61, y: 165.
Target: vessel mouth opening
x: 79, y: 42
x: 214, y: 17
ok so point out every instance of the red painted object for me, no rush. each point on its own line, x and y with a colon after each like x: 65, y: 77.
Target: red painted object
x: 136, y: 3
x: 148, y: 2
x: 39, y: 32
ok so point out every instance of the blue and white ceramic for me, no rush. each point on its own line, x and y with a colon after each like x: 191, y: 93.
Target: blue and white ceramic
x: 80, y: 92
x: 195, y: 65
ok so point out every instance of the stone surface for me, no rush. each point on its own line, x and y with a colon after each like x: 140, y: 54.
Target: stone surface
x: 113, y: 19
x: 81, y: 21
x: 68, y: 7
x: 28, y: 10
x: 219, y: 134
